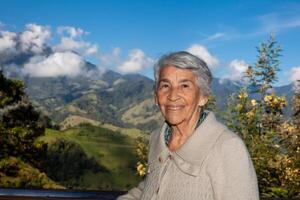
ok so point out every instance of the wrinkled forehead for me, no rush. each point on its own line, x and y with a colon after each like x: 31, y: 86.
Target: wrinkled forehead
x: 171, y: 72
x: 175, y: 75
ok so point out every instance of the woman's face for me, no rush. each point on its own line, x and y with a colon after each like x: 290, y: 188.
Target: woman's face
x: 178, y: 95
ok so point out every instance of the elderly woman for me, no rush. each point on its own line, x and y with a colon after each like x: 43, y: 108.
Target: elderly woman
x: 193, y: 156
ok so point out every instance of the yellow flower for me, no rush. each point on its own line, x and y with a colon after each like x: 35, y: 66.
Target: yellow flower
x: 268, y: 98
x: 290, y: 128
x: 249, y: 114
x: 239, y: 106
x: 243, y: 95
x: 253, y: 102
x: 141, y: 169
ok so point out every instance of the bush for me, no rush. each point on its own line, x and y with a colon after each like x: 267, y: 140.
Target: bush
x: 66, y: 160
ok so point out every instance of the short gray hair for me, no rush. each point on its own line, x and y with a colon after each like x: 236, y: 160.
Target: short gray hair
x: 185, y: 60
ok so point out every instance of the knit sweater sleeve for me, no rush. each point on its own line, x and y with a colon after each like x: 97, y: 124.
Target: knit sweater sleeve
x: 134, y: 193
x: 235, y: 176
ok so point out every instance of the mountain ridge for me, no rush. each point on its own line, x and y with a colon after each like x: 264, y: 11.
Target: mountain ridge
x: 110, y: 97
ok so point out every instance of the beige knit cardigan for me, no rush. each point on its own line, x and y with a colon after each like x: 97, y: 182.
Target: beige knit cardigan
x: 213, y: 164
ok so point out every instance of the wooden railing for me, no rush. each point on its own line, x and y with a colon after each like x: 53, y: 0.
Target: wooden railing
x: 28, y: 194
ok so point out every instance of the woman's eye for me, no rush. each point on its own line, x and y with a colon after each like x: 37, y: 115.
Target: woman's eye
x: 164, y: 86
x: 185, y: 86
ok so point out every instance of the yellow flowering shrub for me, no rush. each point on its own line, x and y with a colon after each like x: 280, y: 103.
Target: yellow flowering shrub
x: 274, y: 103
x: 253, y: 102
x: 243, y: 95
x: 273, y: 143
x: 141, y: 147
x: 141, y: 169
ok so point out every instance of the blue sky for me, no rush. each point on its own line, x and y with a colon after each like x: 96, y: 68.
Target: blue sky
x: 128, y: 36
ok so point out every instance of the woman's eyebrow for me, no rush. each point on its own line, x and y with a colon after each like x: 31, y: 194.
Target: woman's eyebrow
x: 164, y: 80
x: 185, y: 80
x: 180, y: 81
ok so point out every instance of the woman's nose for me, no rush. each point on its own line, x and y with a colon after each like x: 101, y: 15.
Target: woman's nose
x: 173, y: 95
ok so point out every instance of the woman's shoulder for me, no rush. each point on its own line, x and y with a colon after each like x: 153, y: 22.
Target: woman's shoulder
x: 230, y: 141
x: 229, y: 136
x: 230, y: 149
x: 226, y: 135
x: 229, y: 144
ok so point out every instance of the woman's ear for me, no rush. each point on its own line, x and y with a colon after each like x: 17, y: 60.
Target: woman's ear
x: 155, y: 99
x: 202, y: 101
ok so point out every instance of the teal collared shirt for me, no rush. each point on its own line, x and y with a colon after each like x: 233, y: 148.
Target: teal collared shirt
x: 168, y: 131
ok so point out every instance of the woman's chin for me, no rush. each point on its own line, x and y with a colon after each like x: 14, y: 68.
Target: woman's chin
x: 173, y: 121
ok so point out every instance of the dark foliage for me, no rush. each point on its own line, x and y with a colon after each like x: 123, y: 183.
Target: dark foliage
x: 66, y: 160
x: 20, y: 123
x: 11, y: 91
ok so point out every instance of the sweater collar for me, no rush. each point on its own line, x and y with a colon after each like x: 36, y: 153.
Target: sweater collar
x: 190, y: 156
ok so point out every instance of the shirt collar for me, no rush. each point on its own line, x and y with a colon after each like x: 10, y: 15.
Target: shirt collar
x: 168, y: 131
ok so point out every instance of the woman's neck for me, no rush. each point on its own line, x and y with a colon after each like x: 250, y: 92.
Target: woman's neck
x: 182, y: 131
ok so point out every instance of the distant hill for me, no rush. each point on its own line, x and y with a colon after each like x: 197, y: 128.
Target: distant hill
x: 113, y: 150
x: 104, y: 100
x: 110, y: 97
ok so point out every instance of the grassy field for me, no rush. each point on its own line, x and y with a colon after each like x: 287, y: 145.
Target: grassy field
x: 113, y: 150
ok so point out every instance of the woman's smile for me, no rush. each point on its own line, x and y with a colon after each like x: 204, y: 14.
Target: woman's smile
x: 174, y: 107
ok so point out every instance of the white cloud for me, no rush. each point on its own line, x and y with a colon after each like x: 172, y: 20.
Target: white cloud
x: 57, y: 64
x: 238, y: 66
x: 278, y: 21
x: 294, y: 74
x: 82, y: 47
x: 34, y: 38
x: 136, y: 61
x: 71, y: 31
x: 7, y: 40
x: 235, y: 71
x: 216, y: 36
x: 67, y: 58
x: 110, y: 59
x: 92, y: 49
x: 203, y: 53
x: 71, y: 41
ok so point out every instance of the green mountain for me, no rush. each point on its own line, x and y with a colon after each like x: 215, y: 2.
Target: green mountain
x: 91, y: 157
x: 105, y: 100
x: 121, y: 100
x: 108, y: 97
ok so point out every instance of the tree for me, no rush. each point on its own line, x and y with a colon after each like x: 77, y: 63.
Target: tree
x: 243, y: 115
x: 257, y: 116
x: 263, y: 74
x: 292, y: 142
x: 296, y: 105
x: 11, y: 91
x: 66, y: 162
x: 20, y: 126
x: 20, y: 123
